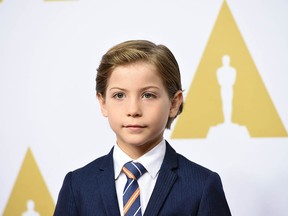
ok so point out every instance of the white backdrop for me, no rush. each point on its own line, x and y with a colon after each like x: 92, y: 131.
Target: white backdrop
x: 49, y: 52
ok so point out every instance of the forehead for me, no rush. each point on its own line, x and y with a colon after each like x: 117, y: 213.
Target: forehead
x: 139, y: 72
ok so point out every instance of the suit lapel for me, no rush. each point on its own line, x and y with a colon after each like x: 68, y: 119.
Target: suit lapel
x: 107, y: 186
x: 165, y: 181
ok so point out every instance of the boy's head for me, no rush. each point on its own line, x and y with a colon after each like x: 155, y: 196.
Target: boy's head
x: 141, y: 51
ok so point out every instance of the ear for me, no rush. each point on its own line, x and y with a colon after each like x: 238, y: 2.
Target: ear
x: 176, y: 103
x: 102, y: 103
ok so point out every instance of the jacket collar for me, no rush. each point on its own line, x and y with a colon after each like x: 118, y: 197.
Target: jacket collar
x: 165, y: 181
x: 107, y: 185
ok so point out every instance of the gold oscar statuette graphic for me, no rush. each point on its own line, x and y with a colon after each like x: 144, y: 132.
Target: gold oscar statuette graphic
x: 227, y: 93
x: 29, y: 196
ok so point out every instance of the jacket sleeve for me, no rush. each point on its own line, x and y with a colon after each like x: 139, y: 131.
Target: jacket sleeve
x: 213, y: 201
x: 66, y: 205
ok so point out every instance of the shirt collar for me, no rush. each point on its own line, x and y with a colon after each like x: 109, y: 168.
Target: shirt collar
x: 151, y: 160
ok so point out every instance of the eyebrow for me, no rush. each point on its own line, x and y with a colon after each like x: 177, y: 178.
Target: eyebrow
x: 142, y: 89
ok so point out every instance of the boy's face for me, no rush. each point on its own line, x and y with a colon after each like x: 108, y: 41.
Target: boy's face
x: 137, y: 106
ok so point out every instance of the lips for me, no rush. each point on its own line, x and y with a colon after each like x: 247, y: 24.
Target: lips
x: 134, y: 126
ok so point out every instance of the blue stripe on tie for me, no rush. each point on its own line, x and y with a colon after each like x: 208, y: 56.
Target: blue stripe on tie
x: 131, y: 194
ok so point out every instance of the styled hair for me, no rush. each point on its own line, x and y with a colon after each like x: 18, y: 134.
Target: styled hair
x: 141, y: 51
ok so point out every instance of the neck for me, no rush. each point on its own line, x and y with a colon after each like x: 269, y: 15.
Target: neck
x: 136, y: 151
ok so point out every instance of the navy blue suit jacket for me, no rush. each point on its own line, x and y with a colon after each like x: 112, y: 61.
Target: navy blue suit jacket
x: 182, y: 188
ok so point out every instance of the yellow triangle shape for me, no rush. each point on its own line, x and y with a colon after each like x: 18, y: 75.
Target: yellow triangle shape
x: 252, y: 105
x: 30, y: 193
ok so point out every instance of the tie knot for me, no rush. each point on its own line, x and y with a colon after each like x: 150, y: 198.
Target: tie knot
x: 133, y: 170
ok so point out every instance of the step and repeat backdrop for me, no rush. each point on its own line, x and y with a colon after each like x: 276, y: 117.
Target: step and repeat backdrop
x: 233, y: 59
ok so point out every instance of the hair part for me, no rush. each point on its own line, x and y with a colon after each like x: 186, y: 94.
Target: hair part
x: 141, y: 51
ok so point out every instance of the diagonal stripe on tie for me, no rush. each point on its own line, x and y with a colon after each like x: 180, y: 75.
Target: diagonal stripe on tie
x: 131, y: 200
x: 131, y: 193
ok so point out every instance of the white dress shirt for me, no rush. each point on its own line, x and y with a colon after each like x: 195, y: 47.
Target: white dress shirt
x: 152, y: 162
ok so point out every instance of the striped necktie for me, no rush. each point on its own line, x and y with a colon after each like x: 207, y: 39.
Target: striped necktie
x: 131, y: 193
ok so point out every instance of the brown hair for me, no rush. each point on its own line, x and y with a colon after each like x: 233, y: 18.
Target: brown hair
x: 145, y: 51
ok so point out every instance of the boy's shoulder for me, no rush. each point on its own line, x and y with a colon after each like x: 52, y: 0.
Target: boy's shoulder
x: 94, y: 167
x: 189, y: 172
x: 188, y: 164
x: 185, y: 167
x: 191, y: 168
x: 176, y: 159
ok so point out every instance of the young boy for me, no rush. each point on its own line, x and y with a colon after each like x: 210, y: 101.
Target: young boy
x: 139, y: 90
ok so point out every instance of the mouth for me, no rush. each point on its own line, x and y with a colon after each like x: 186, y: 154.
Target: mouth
x: 135, y: 126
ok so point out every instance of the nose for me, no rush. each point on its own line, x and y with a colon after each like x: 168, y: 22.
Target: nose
x: 134, y: 108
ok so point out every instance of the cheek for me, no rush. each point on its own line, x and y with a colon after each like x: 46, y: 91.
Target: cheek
x: 114, y: 121
x: 161, y: 113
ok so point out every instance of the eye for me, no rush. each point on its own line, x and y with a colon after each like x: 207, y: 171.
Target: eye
x: 148, y: 95
x: 119, y: 95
